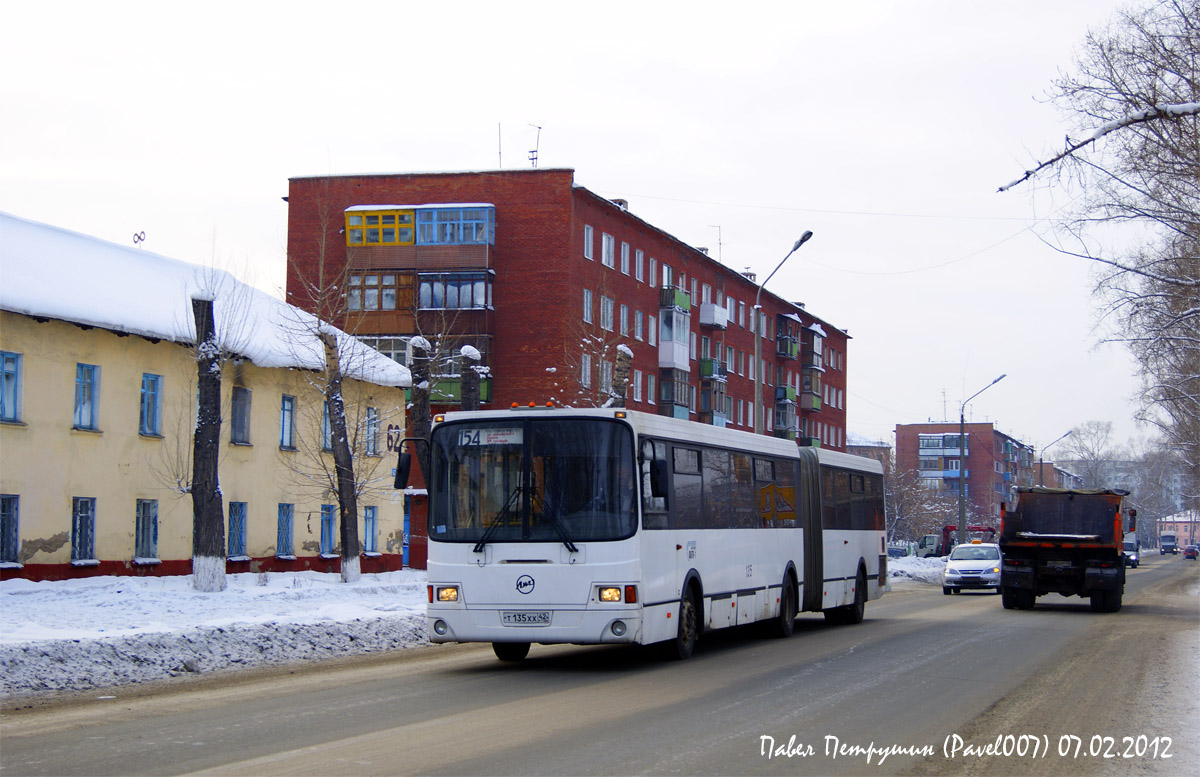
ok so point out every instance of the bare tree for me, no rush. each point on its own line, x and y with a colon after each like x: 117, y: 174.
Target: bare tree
x: 1135, y: 99
x: 1090, y: 449
x: 208, y: 526
x: 913, y: 509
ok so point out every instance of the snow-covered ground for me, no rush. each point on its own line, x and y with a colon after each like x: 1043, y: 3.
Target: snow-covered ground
x: 98, y: 632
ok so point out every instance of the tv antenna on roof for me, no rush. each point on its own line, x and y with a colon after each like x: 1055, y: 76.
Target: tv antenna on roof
x: 719, y: 243
x: 536, y: 144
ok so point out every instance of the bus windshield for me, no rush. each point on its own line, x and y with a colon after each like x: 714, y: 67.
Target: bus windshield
x: 532, y: 480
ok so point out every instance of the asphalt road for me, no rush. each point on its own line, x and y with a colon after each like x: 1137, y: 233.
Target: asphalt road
x: 923, y: 675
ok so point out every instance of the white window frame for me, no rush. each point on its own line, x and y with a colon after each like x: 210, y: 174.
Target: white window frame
x: 638, y: 269
x: 587, y: 306
x: 588, y: 243
x: 608, y: 250
x: 606, y: 313
x: 624, y: 258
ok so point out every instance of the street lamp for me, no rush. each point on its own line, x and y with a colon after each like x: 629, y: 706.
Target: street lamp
x: 962, y: 460
x: 1042, y: 462
x: 758, y: 370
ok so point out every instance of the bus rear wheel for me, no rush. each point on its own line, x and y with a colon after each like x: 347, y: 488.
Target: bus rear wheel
x: 510, y: 651
x: 784, y: 625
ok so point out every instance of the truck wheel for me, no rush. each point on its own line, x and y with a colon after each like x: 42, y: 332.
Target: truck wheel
x: 1025, y: 599
x: 1099, y: 602
x: 1008, y: 597
x: 1114, y: 599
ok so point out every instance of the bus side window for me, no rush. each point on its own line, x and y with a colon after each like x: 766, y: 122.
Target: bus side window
x: 655, y: 485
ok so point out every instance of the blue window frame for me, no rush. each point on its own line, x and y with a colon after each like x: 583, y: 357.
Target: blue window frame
x: 372, y: 441
x: 283, y: 533
x: 456, y: 226
x: 145, y: 543
x: 370, y: 530
x: 10, y: 386
x: 150, y: 417
x: 83, y: 528
x: 10, y: 537
x: 328, y: 526
x: 287, y: 423
x: 87, y: 396
x: 237, y: 529
x: 239, y: 424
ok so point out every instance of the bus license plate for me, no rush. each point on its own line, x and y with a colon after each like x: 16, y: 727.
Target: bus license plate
x: 526, y: 618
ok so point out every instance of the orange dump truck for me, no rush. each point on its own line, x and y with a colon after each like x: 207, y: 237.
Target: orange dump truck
x: 1065, y: 541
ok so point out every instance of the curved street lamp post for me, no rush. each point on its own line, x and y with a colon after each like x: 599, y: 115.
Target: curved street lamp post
x: 962, y: 459
x: 1042, y: 461
x: 758, y: 333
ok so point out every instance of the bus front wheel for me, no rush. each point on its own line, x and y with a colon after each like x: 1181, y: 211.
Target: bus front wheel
x: 689, y: 627
x: 510, y: 651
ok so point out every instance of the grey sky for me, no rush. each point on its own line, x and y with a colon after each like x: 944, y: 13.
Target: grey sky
x: 884, y: 127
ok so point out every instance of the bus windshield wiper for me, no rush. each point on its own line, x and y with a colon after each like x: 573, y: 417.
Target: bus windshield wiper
x: 556, y: 522
x: 497, y: 520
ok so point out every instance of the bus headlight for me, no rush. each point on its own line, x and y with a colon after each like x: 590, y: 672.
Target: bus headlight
x: 448, y: 593
x: 610, y: 593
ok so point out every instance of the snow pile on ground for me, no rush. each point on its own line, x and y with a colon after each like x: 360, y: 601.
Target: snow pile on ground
x: 77, y: 635
x: 95, y: 632
x: 920, y: 570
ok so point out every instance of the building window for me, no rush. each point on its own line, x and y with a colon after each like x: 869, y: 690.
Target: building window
x: 588, y: 238
x: 653, y: 270
x: 651, y: 331
x: 284, y: 531
x: 625, y: 320
x: 637, y: 385
x: 370, y: 530
x: 83, y: 528
x: 706, y: 293
x: 606, y: 376
x: 587, y: 306
x: 650, y: 388
x: 10, y: 537
x: 327, y: 529
x: 454, y: 291
x: 585, y: 370
x: 379, y: 227
x: 625, y: 258
x: 637, y: 325
x: 287, y: 423
x: 668, y: 275
x: 638, y: 269
x: 372, y: 442
x: 239, y: 425
x: 237, y: 530
x: 742, y: 315
x: 145, y: 539
x: 10, y: 386
x: 606, y: 313
x: 456, y: 226
x: 608, y: 250
x: 150, y: 417
x: 374, y: 291
x: 692, y: 345
x: 87, y: 396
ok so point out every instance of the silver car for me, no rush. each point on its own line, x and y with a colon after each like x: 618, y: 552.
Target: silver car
x: 976, y: 565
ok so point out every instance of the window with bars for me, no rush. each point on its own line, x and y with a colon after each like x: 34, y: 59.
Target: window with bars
x: 83, y: 528
x: 10, y: 537
x: 145, y: 534
x: 328, y: 529
x: 284, y: 531
x: 237, y: 530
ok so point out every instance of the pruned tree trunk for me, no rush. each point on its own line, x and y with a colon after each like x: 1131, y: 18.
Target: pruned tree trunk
x: 421, y: 417
x: 620, y: 386
x: 208, y: 523
x: 470, y: 382
x: 343, y: 462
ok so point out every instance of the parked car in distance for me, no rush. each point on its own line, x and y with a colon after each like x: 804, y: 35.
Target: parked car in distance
x: 976, y: 565
x: 1191, y: 551
x: 1131, y: 554
x: 897, y: 552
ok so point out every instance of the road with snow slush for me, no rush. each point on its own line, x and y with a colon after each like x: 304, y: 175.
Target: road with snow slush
x: 928, y: 684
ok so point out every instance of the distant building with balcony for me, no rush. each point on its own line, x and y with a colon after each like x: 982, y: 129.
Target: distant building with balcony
x: 991, y: 464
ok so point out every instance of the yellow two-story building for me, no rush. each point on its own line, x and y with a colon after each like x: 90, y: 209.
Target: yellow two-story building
x: 98, y: 403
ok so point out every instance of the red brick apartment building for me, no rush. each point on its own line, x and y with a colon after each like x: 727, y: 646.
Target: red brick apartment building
x: 996, y: 464
x: 546, y: 279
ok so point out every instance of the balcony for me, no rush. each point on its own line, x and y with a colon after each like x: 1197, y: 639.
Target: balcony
x: 787, y: 347
x: 810, y: 402
x: 713, y: 369
x: 808, y: 442
x: 714, y: 419
x: 811, y: 360
x: 713, y: 315
x: 448, y: 391
x: 785, y: 394
x: 674, y: 297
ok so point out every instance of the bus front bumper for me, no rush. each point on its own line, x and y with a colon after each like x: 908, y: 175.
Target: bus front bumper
x: 547, y: 626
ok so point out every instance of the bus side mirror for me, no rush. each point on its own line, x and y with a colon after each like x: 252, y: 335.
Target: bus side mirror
x: 403, y: 465
x: 658, y: 478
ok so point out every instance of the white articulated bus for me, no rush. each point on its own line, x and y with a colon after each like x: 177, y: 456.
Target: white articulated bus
x: 594, y: 526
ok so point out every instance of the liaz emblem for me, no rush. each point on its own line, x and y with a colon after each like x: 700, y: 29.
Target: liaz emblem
x: 524, y: 584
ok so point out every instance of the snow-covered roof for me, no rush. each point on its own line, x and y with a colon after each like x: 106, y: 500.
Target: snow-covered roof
x: 54, y: 273
x: 815, y: 327
x: 425, y: 206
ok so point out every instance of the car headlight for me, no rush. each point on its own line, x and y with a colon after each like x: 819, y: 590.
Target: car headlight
x: 950, y: 573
